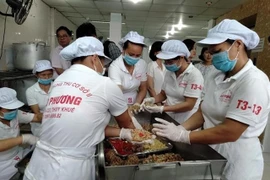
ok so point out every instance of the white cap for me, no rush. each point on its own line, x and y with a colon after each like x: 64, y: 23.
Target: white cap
x: 132, y: 36
x: 173, y: 48
x: 84, y: 46
x: 8, y: 99
x: 42, y: 65
x: 231, y: 29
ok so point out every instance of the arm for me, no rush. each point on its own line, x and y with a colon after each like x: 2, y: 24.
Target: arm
x: 35, y: 108
x: 123, y: 120
x: 10, y: 143
x: 150, y: 86
x: 59, y: 70
x: 195, y: 121
x: 142, y: 92
x: 37, y: 117
x: 187, y: 105
x: 25, y: 117
x: 229, y: 131
x: 112, y: 131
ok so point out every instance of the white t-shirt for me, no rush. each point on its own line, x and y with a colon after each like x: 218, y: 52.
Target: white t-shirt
x: 35, y: 95
x: 13, y: 131
x: 79, y: 108
x: 187, y: 84
x: 57, y: 61
x: 10, y: 157
x: 130, y: 83
x: 244, y: 97
x: 157, y: 74
x: 207, y: 73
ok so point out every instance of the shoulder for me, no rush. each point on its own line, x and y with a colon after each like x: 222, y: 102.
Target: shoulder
x: 117, y: 61
x: 32, y: 88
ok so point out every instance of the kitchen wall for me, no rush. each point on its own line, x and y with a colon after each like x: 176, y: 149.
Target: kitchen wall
x: 40, y: 25
x: 262, y: 27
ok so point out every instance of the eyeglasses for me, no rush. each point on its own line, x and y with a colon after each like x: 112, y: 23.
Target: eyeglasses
x: 64, y: 36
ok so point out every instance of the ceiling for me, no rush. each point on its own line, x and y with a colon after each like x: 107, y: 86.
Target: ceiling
x: 150, y: 18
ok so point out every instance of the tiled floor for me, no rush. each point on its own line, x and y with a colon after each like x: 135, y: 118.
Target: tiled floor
x: 266, y: 173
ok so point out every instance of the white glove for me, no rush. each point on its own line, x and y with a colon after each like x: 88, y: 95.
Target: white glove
x: 136, y: 123
x: 125, y: 134
x: 171, y: 131
x: 154, y: 109
x: 137, y: 110
x: 150, y: 100
x: 29, y: 139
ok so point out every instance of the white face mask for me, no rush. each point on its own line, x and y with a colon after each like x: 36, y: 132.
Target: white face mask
x: 103, y: 69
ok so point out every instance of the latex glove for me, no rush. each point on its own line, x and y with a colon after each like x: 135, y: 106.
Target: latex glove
x: 125, y: 134
x: 154, y: 109
x: 137, y: 109
x: 171, y: 131
x: 29, y: 139
x: 136, y: 123
x: 149, y: 100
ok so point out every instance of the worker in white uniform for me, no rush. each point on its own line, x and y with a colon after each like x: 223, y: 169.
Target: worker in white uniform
x: 64, y: 37
x: 155, y: 71
x: 10, y: 139
x: 235, y: 108
x: 128, y: 71
x: 37, y: 95
x: 182, y: 86
x: 206, y: 67
x: 78, y: 110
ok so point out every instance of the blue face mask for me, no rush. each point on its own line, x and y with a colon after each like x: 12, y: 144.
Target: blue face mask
x: 10, y: 115
x: 172, y: 67
x: 130, y: 60
x: 45, y: 81
x: 222, y: 62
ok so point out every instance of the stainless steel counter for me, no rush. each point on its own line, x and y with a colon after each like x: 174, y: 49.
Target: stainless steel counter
x: 201, y: 161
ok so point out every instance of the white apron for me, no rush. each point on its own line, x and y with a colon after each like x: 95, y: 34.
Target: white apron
x: 53, y: 163
x: 245, y: 161
x: 7, y: 163
x: 131, y: 97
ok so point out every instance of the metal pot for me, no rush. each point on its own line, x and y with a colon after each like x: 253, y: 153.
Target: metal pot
x: 26, y: 54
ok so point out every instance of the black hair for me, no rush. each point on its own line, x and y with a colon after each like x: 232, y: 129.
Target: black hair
x: 69, y: 32
x: 189, y: 43
x: 156, y: 47
x: 269, y: 39
x: 106, y: 47
x: 78, y: 59
x: 86, y: 29
x: 127, y: 42
x: 201, y: 57
x: 178, y: 57
x: 230, y: 41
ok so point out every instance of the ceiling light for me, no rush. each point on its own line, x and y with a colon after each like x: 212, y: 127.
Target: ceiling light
x: 167, y: 35
x: 102, y: 22
x: 135, y: 1
x: 172, y: 30
x: 208, y: 3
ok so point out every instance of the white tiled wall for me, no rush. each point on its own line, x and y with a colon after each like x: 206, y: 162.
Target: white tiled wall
x: 40, y: 25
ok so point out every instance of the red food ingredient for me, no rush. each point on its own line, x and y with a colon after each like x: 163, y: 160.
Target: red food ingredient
x: 122, y: 147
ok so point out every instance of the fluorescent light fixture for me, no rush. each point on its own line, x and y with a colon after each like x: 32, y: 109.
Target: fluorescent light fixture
x: 196, y: 37
x: 172, y: 31
x: 167, y: 35
x: 102, y: 22
x: 135, y: 1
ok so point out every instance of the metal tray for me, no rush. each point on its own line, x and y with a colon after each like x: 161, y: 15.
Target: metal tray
x: 22, y: 164
x: 168, y: 145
